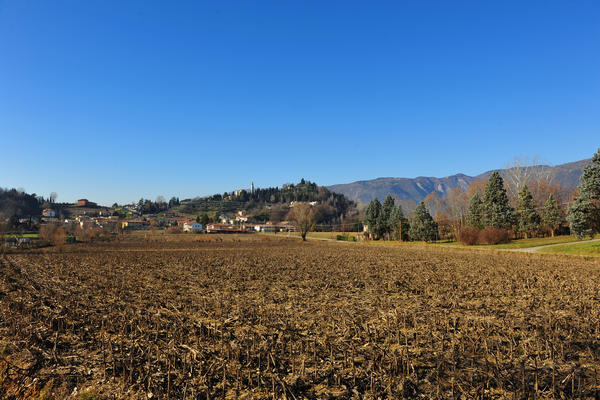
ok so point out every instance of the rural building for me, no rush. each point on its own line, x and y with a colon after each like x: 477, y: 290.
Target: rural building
x: 224, y: 228
x: 86, y: 203
x: 134, y: 224
x: 48, y: 212
x: 225, y: 220
x: 178, y: 221
x: 270, y: 228
x: 192, y: 227
x: 242, y: 218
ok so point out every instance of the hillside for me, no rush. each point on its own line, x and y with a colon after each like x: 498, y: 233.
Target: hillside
x: 567, y: 175
x: 272, y: 204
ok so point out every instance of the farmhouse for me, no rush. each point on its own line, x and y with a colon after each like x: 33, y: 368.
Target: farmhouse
x: 223, y: 228
x: 178, y: 221
x: 271, y: 228
x: 48, y: 212
x: 134, y: 224
x: 192, y: 226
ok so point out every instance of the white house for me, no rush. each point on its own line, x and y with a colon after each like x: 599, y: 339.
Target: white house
x: 192, y: 226
x: 48, y: 212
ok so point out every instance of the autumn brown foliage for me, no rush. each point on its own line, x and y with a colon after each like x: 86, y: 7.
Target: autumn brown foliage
x: 174, y: 229
x: 490, y: 235
x: 53, y: 234
x: 468, y: 235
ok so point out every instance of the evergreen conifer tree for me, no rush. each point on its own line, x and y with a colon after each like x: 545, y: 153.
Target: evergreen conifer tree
x: 385, y: 222
x: 528, y: 220
x: 584, y: 213
x: 496, y: 208
x: 423, y: 227
x: 475, y: 212
x: 399, y: 224
x: 372, y: 217
x: 580, y: 217
x: 551, y: 215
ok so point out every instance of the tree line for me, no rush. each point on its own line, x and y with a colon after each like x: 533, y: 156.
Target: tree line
x: 387, y: 221
x: 488, y: 212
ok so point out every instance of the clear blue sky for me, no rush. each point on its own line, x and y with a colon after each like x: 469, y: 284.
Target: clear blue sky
x: 115, y: 101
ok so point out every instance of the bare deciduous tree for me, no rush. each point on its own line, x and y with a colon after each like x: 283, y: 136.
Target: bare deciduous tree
x: 524, y: 171
x: 303, y: 217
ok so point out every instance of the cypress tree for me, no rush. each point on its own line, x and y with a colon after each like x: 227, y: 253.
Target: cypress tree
x: 584, y: 213
x: 528, y: 220
x: 496, y: 208
x: 423, y: 227
x: 475, y: 212
x: 551, y: 215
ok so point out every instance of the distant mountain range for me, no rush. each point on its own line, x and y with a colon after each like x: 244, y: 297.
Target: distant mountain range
x: 567, y: 175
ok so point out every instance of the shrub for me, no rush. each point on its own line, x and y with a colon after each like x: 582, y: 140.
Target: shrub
x: 492, y: 235
x: 347, y: 238
x: 468, y: 235
x: 53, y: 234
x: 173, y: 230
x: 47, y: 232
x: 87, y: 234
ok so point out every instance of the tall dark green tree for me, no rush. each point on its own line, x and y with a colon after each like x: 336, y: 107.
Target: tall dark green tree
x: 581, y: 217
x: 528, y: 220
x: 551, y: 214
x: 584, y: 213
x: 496, y: 208
x: 372, y: 218
x: 475, y: 212
x: 385, y: 218
x: 423, y: 227
x: 204, y: 219
x: 399, y: 224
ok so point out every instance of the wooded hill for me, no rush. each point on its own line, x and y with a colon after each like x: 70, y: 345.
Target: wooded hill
x: 273, y: 203
x: 17, y: 203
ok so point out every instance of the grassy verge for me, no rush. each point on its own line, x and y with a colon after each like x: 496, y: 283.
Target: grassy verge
x: 518, y: 243
x: 581, y: 249
x: 25, y: 235
x: 319, y: 235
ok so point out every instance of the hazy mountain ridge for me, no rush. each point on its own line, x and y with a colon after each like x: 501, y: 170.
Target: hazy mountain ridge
x: 416, y: 189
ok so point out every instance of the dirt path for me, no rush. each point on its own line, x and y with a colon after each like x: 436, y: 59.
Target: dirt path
x: 536, y: 248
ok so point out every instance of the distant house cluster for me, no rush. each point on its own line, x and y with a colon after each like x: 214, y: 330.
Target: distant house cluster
x: 86, y: 214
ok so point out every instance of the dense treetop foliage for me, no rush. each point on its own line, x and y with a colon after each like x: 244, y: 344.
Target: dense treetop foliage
x: 496, y: 207
x: 16, y: 203
x: 584, y: 213
x: 552, y: 216
x: 422, y: 226
x: 386, y: 221
x: 528, y: 220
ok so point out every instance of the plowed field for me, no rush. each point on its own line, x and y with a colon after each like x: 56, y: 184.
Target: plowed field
x: 259, y: 319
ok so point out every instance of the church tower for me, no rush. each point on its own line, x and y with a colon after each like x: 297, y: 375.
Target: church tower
x: 252, y: 188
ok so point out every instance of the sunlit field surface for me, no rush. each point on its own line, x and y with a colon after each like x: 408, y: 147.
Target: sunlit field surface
x: 260, y: 317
